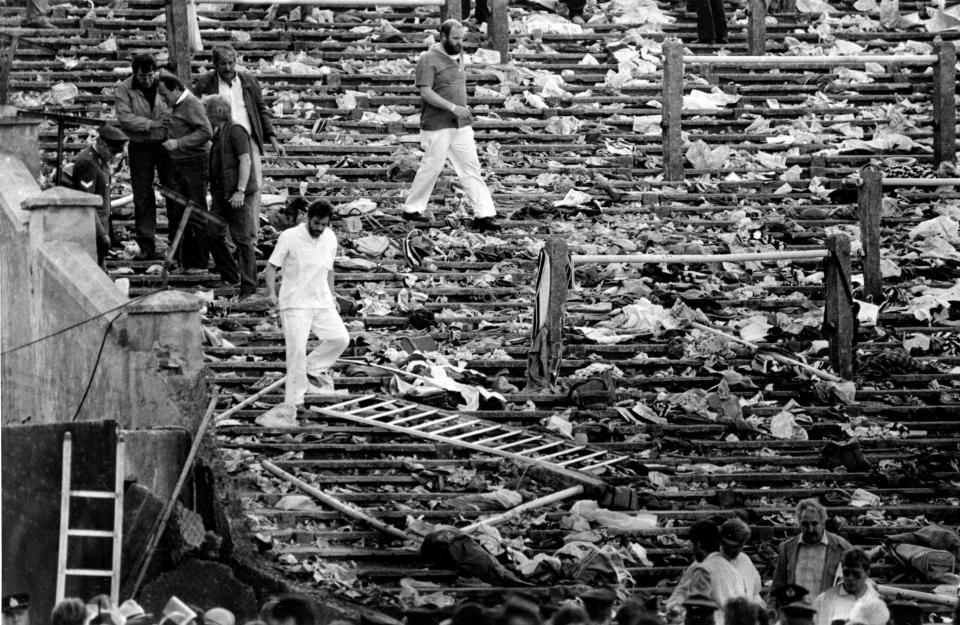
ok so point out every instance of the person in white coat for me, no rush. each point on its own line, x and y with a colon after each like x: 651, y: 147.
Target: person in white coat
x: 731, y: 573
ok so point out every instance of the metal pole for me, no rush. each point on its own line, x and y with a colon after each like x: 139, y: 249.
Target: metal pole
x: 580, y: 259
x: 147, y: 556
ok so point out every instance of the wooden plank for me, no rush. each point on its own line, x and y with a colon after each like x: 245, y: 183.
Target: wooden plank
x: 944, y: 107
x: 838, y: 307
x: 869, y: 203
x: 672, y: 101
x: 500, y: 28
x: 65, y: 477
x: 178, y: 39
x: 756, y: 27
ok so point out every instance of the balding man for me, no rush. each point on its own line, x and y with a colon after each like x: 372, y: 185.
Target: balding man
x: 445, y: 131
x: 248, y: 109
x: 810, y: 559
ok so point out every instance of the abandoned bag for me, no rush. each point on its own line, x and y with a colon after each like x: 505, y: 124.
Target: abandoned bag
x: 935, y: 565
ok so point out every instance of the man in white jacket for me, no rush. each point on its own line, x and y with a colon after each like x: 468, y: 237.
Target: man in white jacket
x: 731, y: 572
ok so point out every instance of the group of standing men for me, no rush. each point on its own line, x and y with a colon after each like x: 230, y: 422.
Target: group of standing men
x: 819, y: 578
x: 187, y: 145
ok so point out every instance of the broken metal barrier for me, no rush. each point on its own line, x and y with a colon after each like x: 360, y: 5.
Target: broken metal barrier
x: 555, y: 277
x: 870, y: 186
x: 190, y: 209
x: 944, y: 79
x: 569, y: 461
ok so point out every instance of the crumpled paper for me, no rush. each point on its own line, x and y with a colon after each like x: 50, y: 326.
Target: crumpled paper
x: 715, y: 99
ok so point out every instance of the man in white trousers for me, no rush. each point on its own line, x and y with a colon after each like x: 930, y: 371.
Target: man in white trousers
x: 445, y: 131
x: 307, y: 303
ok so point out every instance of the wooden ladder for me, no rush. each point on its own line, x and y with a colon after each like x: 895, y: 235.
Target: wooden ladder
x: 67, y: 493
x: 444, y: 426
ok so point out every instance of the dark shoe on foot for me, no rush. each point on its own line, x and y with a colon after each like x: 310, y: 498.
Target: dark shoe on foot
x: 486, y: 224
x: 415, y: 216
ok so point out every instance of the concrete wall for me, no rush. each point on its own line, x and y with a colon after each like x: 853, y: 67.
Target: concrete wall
x: 150, y: 371
x: 141, y: 359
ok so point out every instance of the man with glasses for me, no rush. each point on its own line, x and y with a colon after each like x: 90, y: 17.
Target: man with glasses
x: 837, y: 603
x: 143, y: 116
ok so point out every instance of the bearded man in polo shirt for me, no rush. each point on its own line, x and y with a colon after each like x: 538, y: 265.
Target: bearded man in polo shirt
x: 307, y: 303
x: 445, y: 131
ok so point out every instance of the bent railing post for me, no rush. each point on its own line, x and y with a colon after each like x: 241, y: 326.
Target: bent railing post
x: 838, y: 308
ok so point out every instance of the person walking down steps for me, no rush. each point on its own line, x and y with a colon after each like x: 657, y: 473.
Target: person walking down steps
x: 304, y: 255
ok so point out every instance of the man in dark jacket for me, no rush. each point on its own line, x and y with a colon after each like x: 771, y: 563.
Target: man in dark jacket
x: 231, y: 190
x: 188, y: 134
x: 92, y: 174
x: 249, y: 111
x: 812, y: 558
x: 143, y: 114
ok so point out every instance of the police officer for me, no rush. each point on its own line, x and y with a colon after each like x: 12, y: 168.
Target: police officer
x: 795, y: 606
x: 16, y: 609
x: 92, y: 174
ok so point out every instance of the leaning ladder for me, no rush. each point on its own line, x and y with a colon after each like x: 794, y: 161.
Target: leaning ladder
x: 444, y: 426
x: 67, y: 493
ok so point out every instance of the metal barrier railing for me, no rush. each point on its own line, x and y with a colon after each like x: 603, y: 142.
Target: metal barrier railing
x: 555, y: 276
x: 869, y: 208
x: 944, y: 89
x: 179, y: 22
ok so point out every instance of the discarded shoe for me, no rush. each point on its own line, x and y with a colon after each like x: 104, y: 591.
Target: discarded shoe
x: 280, y: 416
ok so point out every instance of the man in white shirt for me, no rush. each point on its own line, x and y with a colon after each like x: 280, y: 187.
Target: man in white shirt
x: 307, y: 303
x: 249, y: 110
x: 837, y: 603
x: 730, y: 571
